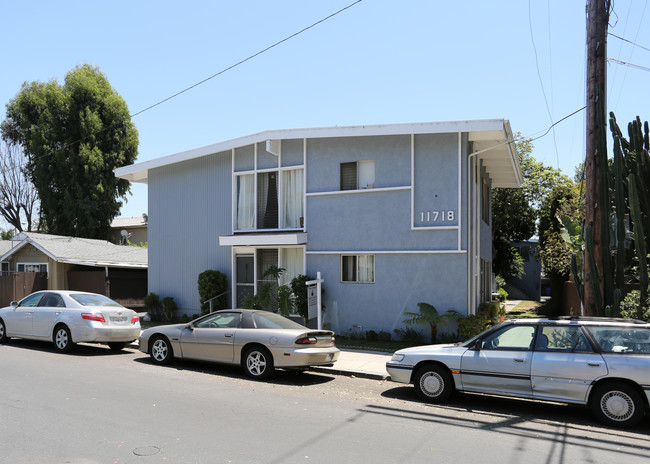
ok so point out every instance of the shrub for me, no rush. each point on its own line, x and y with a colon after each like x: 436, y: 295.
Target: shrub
x: 384, y: 336
x: 631, y: 306
x: 472, y: 325
x: 503, y: 295
x: 372, y: 336
x: 185, y: 319
x: 409, y: 335
x: 169, y: 308
x: 212, y: 283
x: 153, y: 306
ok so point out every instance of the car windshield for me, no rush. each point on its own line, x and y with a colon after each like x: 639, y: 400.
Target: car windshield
x: 86, y: 299
x: 267, y: 320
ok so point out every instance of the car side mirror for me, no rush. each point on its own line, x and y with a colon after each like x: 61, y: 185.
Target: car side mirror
x: 478, y: 345
x: 14, y: 304
x: 189, y: 327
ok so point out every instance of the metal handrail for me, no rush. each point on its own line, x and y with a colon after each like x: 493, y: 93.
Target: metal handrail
x: 214, y: 298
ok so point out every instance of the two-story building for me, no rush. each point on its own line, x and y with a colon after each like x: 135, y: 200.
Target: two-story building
x: 390, y: 215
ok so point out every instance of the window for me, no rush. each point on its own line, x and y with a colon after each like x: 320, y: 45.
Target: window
x: 514, y: 337
x: 358, y: 268
x: 219, y: 321
x: 622, y: 339
x: 270, y: 200
x: 267, y: 200
x: 358, y: 175
x: 561, y: 338
x: 31, y: 267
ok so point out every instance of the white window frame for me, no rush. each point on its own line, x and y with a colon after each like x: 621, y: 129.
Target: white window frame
x: 357, y: 268
x: 365, y: 172
x: 26, y: 265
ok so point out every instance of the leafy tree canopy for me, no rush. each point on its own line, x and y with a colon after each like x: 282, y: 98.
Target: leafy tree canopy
x: 516, y: 213
x: 74, y: 135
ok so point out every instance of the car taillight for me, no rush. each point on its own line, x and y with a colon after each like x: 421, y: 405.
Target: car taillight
x: 99, y: 317
x: 306, y: 341
x: 135, y: 319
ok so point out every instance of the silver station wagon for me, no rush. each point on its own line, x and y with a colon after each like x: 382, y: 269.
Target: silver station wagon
x: 602, y: 362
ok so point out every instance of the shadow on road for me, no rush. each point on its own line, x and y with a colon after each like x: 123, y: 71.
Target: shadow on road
x: 80, y: 349
x: 280, y: 377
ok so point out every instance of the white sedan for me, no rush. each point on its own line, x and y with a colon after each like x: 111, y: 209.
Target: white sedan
x: 69, y: 317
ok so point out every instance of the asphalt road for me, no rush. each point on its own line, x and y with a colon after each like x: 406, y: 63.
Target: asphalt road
x: 96, y: 406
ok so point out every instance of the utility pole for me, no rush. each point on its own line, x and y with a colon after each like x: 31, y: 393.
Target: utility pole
x: 597, y: 22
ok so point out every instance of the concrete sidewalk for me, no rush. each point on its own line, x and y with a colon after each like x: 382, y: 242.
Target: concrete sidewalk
x: 357, y: 363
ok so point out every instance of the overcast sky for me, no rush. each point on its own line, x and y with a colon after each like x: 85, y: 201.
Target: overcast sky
x: 376, y: 62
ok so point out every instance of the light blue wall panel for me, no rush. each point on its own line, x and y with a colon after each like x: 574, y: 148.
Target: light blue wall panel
x: 436, y: 186
x: 292, y: 152
x: 265, y: 160
x: 245, y: 158
x: 392, y: 155
x: 370, y: 221
x: 401, y: 282
x: 189, y: 207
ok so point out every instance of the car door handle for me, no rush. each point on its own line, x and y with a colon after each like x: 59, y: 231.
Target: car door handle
x: 58, y: 312
x: 519, y: 360
x: 593, y: 364
x: 227, y: 335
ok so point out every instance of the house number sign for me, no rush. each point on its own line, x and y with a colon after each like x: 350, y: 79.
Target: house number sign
x: 437, y: 216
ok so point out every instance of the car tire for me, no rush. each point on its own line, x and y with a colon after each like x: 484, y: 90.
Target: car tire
x: 257, y: 362
x: 62, y: 339
x: 617, y: 404
x: 117, y: 346
x: 433, y: 383
x: 161, y: 350
x: 3, y: 332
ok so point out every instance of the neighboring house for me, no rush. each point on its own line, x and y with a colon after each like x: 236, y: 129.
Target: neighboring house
x: 528, y: 286
x: 391, y: 215
x: 129, y: 230
x: 41, y: 261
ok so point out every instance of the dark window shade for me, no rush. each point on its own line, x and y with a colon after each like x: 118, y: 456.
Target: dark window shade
x: 349, y: 176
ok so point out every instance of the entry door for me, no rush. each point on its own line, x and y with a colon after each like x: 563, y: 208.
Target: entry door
x: 503, y: 364
x: 245, y: 273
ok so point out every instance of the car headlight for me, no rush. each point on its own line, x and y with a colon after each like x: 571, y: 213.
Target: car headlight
x: 397, y: 357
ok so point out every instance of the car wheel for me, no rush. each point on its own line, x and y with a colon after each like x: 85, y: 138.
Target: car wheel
x: 433, y: 383
x: 617, y: 404
x: 117, y: 346
x: 161, y: 350
x: 62, y: 339
x: 3, y: 332
x: 257, y: 362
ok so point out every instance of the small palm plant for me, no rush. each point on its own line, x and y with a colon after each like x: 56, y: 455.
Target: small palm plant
x: 428, y: 315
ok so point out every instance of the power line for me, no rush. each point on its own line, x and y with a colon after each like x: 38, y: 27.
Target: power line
x: 254, y: 55
x: 630, y: 65
x: 630, y: 42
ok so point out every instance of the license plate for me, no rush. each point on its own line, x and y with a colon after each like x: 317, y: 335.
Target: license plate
x: 119, y: 318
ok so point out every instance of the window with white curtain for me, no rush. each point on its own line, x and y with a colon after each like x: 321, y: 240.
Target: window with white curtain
x: 292, y: 195
x: 246, y: 202
x: 31, y: 267
x: 358, y: 268
x: 270, y: 208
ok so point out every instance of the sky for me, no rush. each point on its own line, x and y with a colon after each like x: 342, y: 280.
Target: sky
x: 375, y: 62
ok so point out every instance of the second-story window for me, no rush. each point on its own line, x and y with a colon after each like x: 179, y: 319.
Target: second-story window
x: 357, y: 175
x: 270, y: 200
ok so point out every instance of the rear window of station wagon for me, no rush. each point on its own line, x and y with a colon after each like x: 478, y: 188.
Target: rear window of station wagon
x: 621, y: 339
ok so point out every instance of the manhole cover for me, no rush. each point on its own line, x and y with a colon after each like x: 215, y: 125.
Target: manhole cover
x: 146, y: 451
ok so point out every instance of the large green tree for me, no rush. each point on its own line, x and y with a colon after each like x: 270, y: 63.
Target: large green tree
x: 74, y: 135
x: 517, y: 213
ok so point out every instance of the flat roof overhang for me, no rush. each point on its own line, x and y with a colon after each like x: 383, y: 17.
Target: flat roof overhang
x: 252, y: 240
x: 494, y: 136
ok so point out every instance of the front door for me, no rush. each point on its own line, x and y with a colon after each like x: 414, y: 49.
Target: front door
x: 503, y: 364
x: 245, y: 265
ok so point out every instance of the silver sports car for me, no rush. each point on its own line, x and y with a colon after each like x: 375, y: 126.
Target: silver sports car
x: 259, y: 341
x: 68, y: 317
